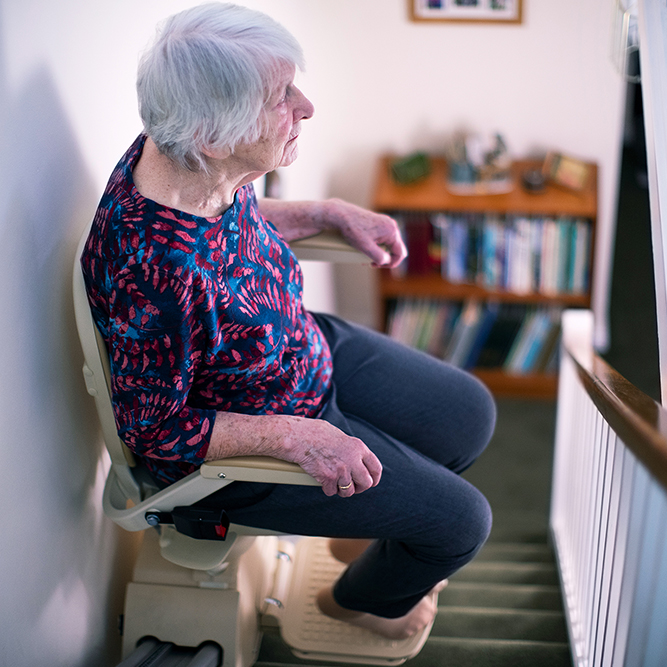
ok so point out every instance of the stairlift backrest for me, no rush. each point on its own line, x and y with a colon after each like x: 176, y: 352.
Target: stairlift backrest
x: 121, y: 484
x: 98, y: 381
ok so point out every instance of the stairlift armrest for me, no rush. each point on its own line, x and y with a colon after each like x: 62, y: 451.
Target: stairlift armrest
x: 328, y: 246
x: 211, y: 476
x: 257, y: 469
x: 187, y: 491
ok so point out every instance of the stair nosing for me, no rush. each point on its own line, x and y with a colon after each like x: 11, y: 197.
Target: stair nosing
x: 460, y: 609
x: 506, y: 642
x: 486, y: 585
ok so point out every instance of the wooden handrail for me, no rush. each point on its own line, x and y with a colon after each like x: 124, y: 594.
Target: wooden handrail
x: 639, y: 421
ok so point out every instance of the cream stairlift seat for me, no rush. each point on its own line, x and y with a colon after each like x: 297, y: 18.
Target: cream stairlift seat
x: 189, y: 591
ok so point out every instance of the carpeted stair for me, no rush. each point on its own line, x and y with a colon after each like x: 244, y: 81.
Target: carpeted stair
x: 502, y: 610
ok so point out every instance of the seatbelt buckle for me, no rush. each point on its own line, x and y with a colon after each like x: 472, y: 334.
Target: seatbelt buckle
x: 200, y: 523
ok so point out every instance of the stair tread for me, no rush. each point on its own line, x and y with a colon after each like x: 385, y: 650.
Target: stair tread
x: 492, y: 653
x: 484, y: 585
x: 508, y: 565
x: 515, y: 551
x: 460, y: 652
x: 508, y: 572
x: 495, y: 611
x: 485, y: 623
x: 505, y: 596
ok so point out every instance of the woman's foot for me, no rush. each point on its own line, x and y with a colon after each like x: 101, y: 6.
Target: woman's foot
x: 346, y: 550
x: 403, y: 627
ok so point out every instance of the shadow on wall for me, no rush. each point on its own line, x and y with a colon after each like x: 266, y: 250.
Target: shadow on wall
x: 59, y: 576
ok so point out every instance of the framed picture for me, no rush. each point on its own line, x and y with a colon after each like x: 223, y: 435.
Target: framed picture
x: 566, y: 171
x: 466, y: 11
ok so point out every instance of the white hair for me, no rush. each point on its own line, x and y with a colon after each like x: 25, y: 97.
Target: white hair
x: 205, y: 80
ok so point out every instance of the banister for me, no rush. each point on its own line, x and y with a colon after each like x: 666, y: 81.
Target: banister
x: 608, y: 516
x: 639, y: 421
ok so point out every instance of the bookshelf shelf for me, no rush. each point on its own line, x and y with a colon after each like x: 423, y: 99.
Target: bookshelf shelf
x: 432, y: 285
x: 534, y: 385
x: 430, y: 197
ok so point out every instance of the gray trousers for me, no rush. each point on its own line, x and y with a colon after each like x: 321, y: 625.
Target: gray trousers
x: 426, y: 421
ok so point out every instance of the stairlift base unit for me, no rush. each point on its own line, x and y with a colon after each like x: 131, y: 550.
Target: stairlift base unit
x: 267, y: 583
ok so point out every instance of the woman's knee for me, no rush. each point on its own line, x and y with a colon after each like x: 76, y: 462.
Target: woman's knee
x: 470, y: 423
x: 460, y: 525
x: 475, y: 523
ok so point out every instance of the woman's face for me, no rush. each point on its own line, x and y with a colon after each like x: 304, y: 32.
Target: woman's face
x: 286, y: 108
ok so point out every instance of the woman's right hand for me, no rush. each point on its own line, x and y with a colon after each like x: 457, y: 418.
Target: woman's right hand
x: 342, y: 464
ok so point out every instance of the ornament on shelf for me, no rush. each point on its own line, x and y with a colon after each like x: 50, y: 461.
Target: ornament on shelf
x: 478, y: 166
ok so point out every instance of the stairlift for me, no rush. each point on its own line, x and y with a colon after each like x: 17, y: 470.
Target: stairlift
x: 190, y: 591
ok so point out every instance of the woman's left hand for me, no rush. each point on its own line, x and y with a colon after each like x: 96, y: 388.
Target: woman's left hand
x: 374, y: 234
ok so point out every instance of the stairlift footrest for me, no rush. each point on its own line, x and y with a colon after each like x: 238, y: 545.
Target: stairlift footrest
x: 313, y: 636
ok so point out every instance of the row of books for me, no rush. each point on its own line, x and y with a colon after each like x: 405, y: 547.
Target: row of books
x: 518, y: 338
x: 513, y: 253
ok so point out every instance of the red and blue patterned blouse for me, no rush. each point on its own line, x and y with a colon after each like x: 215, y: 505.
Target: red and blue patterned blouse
x: 199, y: 315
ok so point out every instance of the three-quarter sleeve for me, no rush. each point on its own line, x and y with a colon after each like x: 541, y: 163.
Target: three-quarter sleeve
x: 155, y: 344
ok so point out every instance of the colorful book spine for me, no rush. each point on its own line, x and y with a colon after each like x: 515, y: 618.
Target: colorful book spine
x: 518, y: 338
x: 520, y: 254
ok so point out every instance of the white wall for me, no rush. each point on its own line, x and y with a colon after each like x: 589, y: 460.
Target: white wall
x: 67, y: 112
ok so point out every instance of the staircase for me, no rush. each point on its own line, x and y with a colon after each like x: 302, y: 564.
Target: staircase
x: 502, y: 610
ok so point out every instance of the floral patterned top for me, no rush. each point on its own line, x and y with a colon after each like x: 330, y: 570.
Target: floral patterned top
x: 199, y: 315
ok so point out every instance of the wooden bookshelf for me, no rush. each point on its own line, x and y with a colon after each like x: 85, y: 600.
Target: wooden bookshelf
x: 432, y: 196
x: 433, y: 285
x: 537, y: 386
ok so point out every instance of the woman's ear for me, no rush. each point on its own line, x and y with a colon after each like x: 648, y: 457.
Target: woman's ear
x: 215, y: 152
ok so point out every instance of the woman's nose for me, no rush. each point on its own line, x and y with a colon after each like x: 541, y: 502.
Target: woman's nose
x: 303, y: 107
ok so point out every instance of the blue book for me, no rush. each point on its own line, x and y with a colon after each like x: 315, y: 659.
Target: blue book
x: 537, y: 338
x: 563, y: 255
x: 457, y: 251
x: 489, y: 260
x: 488, y: 319
x: 464, y: 334
x: 519, y: 347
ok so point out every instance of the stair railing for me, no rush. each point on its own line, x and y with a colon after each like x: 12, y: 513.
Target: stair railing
x: 609, y: 509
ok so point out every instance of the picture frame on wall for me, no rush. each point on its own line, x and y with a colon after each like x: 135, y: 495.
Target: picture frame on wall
x: 466, y: 11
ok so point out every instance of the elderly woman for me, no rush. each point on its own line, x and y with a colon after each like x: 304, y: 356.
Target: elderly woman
x: 199, y: 298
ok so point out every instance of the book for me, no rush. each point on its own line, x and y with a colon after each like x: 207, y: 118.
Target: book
x: 520, y: 280
x: 551, y: 343
x: 535, y: 253
x: 535, y: 342
x: 517, y: 352
x: 490, y: 272
x: 488, y: 317
x: 502, y: 336
x: 563, y: 254
x: 464, y: 334
x: 580, y: 268
x: 457, y: 235
x: 548, y: 267
x: 418, y: 234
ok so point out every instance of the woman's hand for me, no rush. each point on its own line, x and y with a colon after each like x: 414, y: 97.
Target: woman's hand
x: 342, y: 464
x: 374, y: 234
